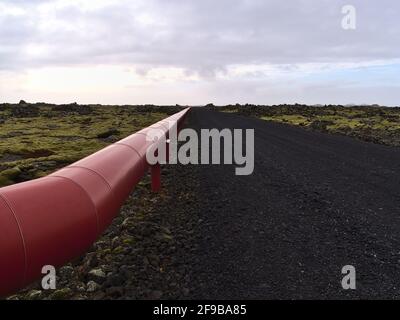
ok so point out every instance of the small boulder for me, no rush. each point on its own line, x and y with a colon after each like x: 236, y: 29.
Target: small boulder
x: 61, y: 294
x: 92, y: 286
x: 34, y: 295
x: 97, y: 275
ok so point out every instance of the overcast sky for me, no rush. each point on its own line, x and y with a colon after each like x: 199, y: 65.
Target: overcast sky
x: 199, y: 51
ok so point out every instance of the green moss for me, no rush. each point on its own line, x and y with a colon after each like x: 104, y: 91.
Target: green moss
x: 290, y: 119
x: 128, y: 241
x: 377, y: 124
x: 230, y: 110
x: 106, y: 251
x: 62, y: 294
x: 118, y: 250
x: 8, y: 176
x: 56, y: 136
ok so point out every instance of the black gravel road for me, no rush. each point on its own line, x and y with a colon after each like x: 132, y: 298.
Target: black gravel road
x: 315, y: 203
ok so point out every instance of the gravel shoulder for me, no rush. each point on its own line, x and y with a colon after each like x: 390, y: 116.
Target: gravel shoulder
x: 144, y: 254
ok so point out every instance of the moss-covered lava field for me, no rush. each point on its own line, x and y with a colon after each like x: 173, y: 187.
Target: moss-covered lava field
x: 36, y: 139
x: 368, y: 123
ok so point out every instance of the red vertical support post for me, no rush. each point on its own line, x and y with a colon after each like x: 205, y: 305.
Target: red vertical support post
x: 167, y: 151
x: 155, y: 177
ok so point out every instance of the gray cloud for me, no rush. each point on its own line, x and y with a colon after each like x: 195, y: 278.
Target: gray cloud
x: 204, y: 38
x: 201, y: 36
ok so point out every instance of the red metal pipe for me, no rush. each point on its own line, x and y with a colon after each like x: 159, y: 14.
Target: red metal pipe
x: 156, y: 177
x: 51, y: 220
